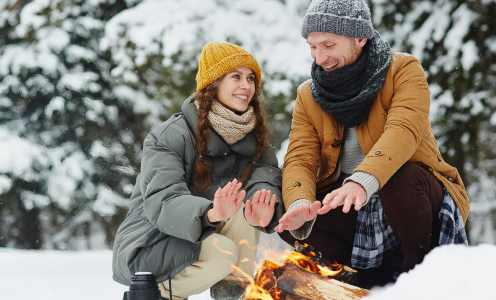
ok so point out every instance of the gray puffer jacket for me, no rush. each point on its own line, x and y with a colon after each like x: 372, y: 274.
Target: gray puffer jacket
x: 167, y: 222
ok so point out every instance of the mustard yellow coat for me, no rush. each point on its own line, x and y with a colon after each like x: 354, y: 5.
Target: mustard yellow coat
x: 397, y: 130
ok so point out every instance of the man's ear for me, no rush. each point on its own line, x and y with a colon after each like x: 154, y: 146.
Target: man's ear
x: 361, y: 42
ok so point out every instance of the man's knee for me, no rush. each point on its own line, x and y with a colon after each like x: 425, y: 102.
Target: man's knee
x: 405, y: 175
x: 409, y: 181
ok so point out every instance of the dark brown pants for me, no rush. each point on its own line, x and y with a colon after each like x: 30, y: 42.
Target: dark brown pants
x: 411, y: 200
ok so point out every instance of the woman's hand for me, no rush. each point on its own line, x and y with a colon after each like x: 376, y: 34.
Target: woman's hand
x: 259, y: 211
x: 227, y: 202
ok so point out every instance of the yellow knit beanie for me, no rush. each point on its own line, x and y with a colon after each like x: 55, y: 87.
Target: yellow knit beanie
x: 218, y: 58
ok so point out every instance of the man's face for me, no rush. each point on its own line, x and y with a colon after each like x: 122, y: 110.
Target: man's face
x: 331, y: 51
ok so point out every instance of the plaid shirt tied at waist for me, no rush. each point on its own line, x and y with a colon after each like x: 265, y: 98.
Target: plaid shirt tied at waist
x: 374, y: 236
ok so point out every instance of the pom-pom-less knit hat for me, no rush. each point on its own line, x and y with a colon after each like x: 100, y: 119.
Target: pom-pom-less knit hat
x: 349, y: 18
x: 218, y: 58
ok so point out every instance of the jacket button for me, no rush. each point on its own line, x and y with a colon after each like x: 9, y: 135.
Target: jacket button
x: 450, y: 179
x: 297, y: 183
x: 378, y: 153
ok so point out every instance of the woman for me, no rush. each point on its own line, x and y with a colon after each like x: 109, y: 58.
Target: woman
x: 198, y: 167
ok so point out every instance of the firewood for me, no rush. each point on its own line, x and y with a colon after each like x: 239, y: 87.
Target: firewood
x: 312, y: 266
x: 299, y: 282
x: 288, y: 296
x: 265, y: 282
x: 346, y: 274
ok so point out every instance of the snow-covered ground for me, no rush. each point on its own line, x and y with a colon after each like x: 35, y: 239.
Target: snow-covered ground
x: 449, y: 272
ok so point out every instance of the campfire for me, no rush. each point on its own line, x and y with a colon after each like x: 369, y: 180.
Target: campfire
x: 303, y: 275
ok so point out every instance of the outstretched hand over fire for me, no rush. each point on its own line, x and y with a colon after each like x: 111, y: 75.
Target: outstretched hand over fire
x: 227, y: 202
x: 297, y: 216
x: 259, y: 211
x: 348, y: 194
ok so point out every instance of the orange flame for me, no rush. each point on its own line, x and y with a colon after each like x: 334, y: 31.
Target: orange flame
x: 326, y: 272
x: 253, y: 291
x: 270, y: 266
x: 245, y: 242
x: 309, y: 265
x: 220, y: 249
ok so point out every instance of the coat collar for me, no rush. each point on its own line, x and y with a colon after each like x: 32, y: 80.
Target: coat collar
x: 216, y: 146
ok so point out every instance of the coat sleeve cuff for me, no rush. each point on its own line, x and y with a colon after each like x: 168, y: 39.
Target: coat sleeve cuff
x: 369, y: 183
x: 205, y: 222
x: 304, y: 231
x: 299, y: 202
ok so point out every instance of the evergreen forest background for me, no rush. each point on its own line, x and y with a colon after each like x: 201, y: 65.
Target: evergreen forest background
x: 83, y: 82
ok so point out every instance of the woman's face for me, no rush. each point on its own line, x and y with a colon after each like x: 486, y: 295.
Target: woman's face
x: 237, y: 88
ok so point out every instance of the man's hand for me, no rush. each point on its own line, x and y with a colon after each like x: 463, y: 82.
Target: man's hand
x: 298, y: 215
x: 259, y: 211
x: 348, y: 194
x: 227, y: 202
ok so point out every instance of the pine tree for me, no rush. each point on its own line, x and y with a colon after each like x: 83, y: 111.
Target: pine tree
x: 454, y: 40
x: 73, y: 143
x: 164, y: 68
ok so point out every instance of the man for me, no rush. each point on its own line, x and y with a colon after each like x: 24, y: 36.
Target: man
x: 361, y: 137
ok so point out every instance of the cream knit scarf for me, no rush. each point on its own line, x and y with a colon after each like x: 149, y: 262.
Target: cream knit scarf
x: 231, y: 126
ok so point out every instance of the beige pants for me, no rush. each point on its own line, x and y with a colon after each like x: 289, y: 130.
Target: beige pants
x: 233, y: 244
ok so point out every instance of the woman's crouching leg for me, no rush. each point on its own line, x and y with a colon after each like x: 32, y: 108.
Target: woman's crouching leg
x: 246, y: 239
x: 218, y: 255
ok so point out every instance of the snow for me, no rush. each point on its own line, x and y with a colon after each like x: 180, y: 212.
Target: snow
x: 5, y: 184
x: 462, y: 17
x: 185, y: 26
x: 436, y: 24
x: 80, y: 82
x: 30, y: 17
x: 492, y: 121
x: 56, y: 104
x: 31, y: 200
x: 282, y: 152
x: 9, y: 162
x: 449, y: 272
x: 470, y: 55
x: 474, y: 102
x: 269, y: 29
x: 452, y: 272
x: 15, y: 58
x: 69, y: 167
x: 107, y: 201
x: 54, y: 39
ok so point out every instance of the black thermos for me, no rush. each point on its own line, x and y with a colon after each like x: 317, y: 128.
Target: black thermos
x: 143, y: 287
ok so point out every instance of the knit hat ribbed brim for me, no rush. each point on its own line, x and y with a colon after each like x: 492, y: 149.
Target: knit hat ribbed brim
x: 349, y: 18
x: 218, y: 58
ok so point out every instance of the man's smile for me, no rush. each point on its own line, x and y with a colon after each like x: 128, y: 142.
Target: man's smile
x: 330, y: 66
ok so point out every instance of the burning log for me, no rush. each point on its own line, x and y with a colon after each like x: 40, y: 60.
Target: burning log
x: 334, y: 271
x: 302, y: 277
x: 308, y: 285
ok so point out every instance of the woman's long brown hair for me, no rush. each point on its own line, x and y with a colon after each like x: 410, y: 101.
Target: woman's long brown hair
x: 203, y: 165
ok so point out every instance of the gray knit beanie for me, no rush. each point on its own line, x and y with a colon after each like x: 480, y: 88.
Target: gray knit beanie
x: 349, y: 18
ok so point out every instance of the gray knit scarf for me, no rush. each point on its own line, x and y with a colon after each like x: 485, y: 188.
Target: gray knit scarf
x: 347, y: 93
